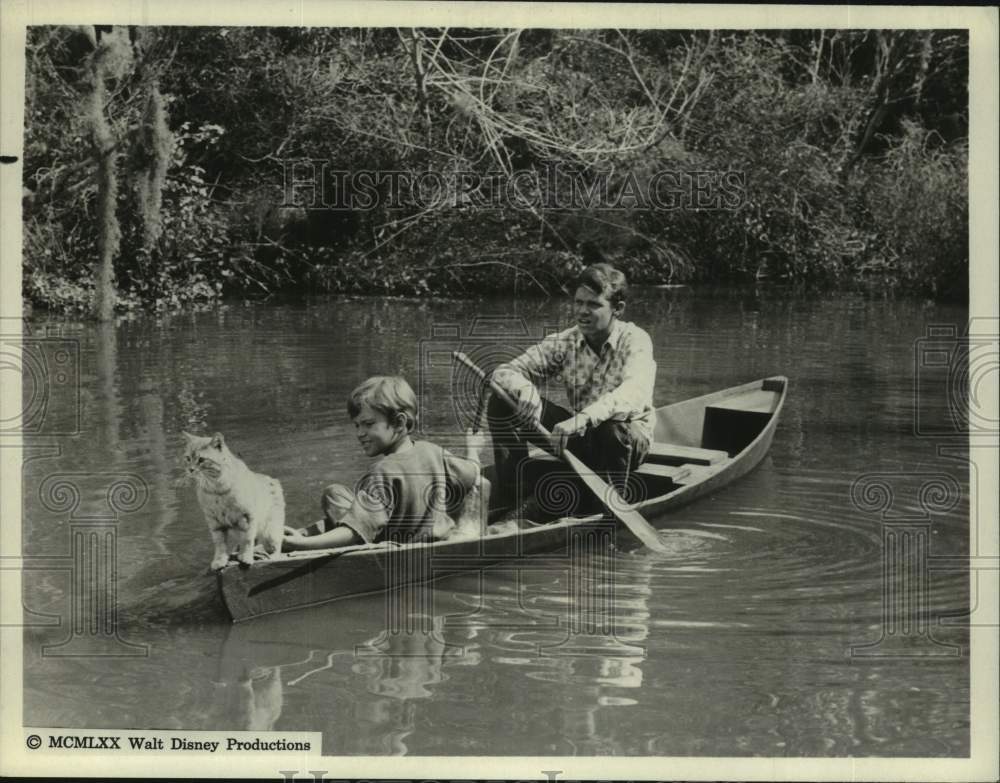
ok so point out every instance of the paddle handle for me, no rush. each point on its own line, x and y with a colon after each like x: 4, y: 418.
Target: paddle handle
x: 480, y: 407
x: 498, y: 390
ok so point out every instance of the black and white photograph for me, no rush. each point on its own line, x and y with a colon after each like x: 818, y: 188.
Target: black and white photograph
x: 469, y: 390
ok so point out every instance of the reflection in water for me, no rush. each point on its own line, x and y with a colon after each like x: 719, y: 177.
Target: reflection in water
x: 370, y: 687
x: 151, y: 405
x: 401, y: 664
x: 398, y: 667
x: 247, y: 690
x: 250, y: 702
x: 607, y: 661
x: 106, y: 365
x: 575, y: 643
x: 397, y: 679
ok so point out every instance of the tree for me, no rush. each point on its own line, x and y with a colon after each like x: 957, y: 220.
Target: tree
x: 111, y: 58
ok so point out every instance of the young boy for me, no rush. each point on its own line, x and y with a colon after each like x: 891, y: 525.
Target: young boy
x: 416, y: 491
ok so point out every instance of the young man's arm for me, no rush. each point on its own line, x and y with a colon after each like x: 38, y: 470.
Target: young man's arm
x: 520, y: 376
x: 635, y: 390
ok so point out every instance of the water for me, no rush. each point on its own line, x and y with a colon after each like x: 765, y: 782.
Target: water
x: 737, y: 642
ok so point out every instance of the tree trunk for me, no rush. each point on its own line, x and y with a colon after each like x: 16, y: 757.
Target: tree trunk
x: 108, y: 232
x: 415, y: 50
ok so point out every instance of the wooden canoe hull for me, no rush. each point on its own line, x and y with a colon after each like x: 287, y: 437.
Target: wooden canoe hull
x: 740, y: 421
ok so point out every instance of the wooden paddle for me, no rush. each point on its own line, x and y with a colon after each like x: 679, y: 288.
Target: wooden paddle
x: 608, y: 495
x: 480, y: 406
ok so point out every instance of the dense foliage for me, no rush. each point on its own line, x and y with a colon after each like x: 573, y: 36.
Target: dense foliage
x: 235, y: 159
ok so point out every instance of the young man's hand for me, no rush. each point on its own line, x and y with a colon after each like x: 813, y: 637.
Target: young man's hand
x: 525, y: 396
x: 564, y: 430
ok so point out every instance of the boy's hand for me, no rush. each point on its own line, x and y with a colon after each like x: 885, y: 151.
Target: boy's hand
x: 475, y: 442
x: 292, y: 540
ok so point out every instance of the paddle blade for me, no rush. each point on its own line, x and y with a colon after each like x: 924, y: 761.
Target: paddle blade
x: 615, y: 503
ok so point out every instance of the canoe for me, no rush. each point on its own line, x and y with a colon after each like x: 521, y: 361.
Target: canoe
x: 700, y: 445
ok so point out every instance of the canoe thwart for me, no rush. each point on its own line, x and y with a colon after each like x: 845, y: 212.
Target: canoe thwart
x: 658, y: 451
x: 754, y: 402
x: 674, y: 472
x: 696, y: 456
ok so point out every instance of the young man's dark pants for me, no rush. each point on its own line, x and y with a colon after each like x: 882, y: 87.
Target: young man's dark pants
x: 612, y: 449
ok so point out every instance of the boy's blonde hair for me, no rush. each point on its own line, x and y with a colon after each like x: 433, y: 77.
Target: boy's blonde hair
x: 390, y: 395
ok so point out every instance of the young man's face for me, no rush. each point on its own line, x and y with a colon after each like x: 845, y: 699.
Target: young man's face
x: 594, y: 312
x: 376, y: 434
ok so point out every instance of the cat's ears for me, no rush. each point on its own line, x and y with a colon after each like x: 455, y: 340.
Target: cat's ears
x: 217, y: 441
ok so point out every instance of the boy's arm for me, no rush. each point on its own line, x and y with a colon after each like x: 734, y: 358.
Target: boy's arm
x: 362, y: 523
x: 472, y: 515
x: 338, y: 536
x: 474, y: 508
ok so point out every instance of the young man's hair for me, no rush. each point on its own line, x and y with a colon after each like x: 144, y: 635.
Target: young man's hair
x: 605, y: 280
x: 390, y: 395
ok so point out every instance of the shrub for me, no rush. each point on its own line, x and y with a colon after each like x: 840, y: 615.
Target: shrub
x: 917, y: 197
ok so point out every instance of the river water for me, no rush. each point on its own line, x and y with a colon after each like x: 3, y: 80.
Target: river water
x: 766, y: 630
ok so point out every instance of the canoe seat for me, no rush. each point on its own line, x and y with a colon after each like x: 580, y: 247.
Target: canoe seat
x: 696, y: 456
x: 674, y: 473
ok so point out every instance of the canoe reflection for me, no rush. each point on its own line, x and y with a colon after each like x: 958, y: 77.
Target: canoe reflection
x: 381, y: 676
x: 258, y: 700
x: 564, y: 644
x: 403, y: 663
x: 399, y: 667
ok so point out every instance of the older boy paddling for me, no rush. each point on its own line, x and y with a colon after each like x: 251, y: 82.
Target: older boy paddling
x: 608, y: 370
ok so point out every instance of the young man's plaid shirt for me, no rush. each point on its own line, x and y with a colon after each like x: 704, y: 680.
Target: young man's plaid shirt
x: 616, y: 383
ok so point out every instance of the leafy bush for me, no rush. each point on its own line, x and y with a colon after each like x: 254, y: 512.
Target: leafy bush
x: 918, y: 202
x: 849, y: 143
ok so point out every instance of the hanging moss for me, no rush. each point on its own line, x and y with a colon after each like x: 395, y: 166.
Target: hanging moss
x: 109, y: 234
x: 114, y: 51
x: 152, y: 154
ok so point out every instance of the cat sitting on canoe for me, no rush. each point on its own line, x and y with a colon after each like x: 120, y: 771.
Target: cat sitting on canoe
x: 243, y: 509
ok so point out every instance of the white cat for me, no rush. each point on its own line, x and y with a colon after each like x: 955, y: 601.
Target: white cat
x: 242, y: 508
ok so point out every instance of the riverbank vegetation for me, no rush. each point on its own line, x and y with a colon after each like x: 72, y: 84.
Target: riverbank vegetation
x: 171, y: 166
